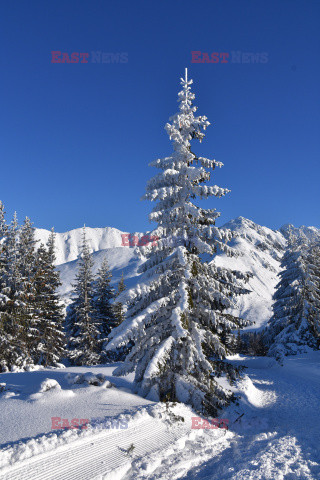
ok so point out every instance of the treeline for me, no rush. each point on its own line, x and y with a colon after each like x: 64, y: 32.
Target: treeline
x: 35, y: 330
x: 33, y: 327
x: 31, y: 315
x: 93, y: 313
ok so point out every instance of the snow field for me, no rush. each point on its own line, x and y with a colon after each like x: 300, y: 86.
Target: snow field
x: 274, y: 431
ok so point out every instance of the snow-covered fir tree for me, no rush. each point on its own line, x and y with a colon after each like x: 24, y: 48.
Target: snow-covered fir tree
x: 29, y: 305
x: 118, y: 308
x: 28, y: 295
x: 3, y: 230
x: 313, y: 291
x: 177, y: 316
x: 3, y: 234
x: 295, y: 323
x: 103, y: 296
x: 81, y: 327
x: 48, y: 341
x: 3, y: 296
x: 105, y: 315
x: 119, y: 312
x: 13, y: 308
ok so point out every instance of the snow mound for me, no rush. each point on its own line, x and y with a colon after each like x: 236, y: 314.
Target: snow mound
x: 49, y: 384
x: 255, y: 397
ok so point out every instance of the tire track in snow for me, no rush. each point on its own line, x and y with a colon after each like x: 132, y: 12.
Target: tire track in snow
x: 99, y: 456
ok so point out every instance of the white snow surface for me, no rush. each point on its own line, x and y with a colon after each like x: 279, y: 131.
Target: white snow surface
x: 273, y: 432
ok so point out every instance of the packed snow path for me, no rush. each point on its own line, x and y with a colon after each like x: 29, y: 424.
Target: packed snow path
x: 277, y: 438
x: 103, y: 454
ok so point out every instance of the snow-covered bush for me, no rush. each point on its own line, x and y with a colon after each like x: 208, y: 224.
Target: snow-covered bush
x: 49, y: 384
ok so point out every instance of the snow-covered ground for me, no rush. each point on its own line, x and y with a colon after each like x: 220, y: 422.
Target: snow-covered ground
x: 276, y: 437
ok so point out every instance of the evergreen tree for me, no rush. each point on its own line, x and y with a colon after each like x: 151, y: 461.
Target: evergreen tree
x: 48, y: 343
x: 239, y: 345
x: 30, y: 314
x: 119, y: 313
x: 177, y: 316
x: 3, y: 296
x: 118, y: 308
x: 313, y: 292
x: 103, y: 296
x: 3, y: 234
x: 82, y: 331
x: 295, y: 323
x: 27, y: 294
x: 256, y: 344
x: 14, y: 344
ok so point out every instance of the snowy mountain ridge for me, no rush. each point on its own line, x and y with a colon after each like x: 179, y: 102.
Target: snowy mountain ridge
x: 68, y: 244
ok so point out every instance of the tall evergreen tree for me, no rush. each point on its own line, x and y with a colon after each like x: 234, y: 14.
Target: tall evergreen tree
x: 295, y: 323
x: 30, y: 313
x: 48, y: 343
x: 14, y: 344
x: 27, y: 294
x: 82, y: 331
x: 3, y: 296
x: 3, y: 234
x: 103, y: 296
x: 118, y: 308
x: 313, y: 292
x: 177, y: 316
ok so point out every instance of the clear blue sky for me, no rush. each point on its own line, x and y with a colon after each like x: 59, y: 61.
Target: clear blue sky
x: 76, y: 139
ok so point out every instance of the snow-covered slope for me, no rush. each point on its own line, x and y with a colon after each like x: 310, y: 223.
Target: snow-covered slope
x: 122, y: 260
x: 103, y: 242
x: 260, y: 251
